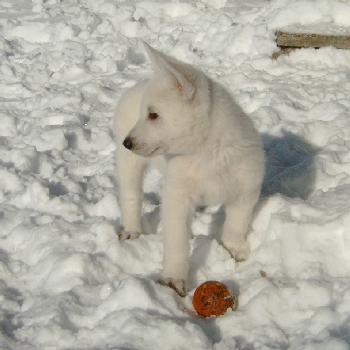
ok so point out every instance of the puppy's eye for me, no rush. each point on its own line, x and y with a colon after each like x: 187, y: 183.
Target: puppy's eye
x: 152, y: 115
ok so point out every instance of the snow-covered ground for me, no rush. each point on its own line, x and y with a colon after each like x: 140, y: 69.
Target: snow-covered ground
x: 66, y: 282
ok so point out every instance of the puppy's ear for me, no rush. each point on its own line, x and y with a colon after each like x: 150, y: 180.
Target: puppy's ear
x: 172, y: 70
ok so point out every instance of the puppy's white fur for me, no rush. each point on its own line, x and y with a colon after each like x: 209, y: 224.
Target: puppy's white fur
x: 212, y: 152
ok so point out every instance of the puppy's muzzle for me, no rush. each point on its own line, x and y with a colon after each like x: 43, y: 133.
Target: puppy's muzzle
x: 128, y: 143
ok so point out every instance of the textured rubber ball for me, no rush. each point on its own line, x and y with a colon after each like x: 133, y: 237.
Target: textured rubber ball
x: 213, y: 298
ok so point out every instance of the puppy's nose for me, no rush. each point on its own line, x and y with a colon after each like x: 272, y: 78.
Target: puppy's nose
x: 128, y: 143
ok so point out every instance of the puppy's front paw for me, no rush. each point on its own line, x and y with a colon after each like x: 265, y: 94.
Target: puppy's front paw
x: 124, y: 235
x: 176, y: 284
x: 239, y: 250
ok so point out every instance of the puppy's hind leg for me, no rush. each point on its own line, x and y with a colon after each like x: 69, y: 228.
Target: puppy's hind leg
x: 238, y: 217
x: 130, y: 170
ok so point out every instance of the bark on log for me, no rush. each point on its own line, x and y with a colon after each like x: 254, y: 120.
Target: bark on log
x: 283, y: 51
x: 285, y: 39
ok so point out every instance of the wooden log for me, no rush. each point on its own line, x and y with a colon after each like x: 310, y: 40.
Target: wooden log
x: 283, y: 51
x: 285, y: 39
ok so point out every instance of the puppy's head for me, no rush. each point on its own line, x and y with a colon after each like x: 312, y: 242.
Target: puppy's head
x: 174, y: 110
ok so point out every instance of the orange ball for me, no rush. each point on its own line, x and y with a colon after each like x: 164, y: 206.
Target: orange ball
x: 212, y: 298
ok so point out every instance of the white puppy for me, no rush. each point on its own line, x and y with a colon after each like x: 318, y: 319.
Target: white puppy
x: 213, y: 155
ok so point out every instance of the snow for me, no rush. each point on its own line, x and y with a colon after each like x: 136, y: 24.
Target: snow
x: 66, y: 282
